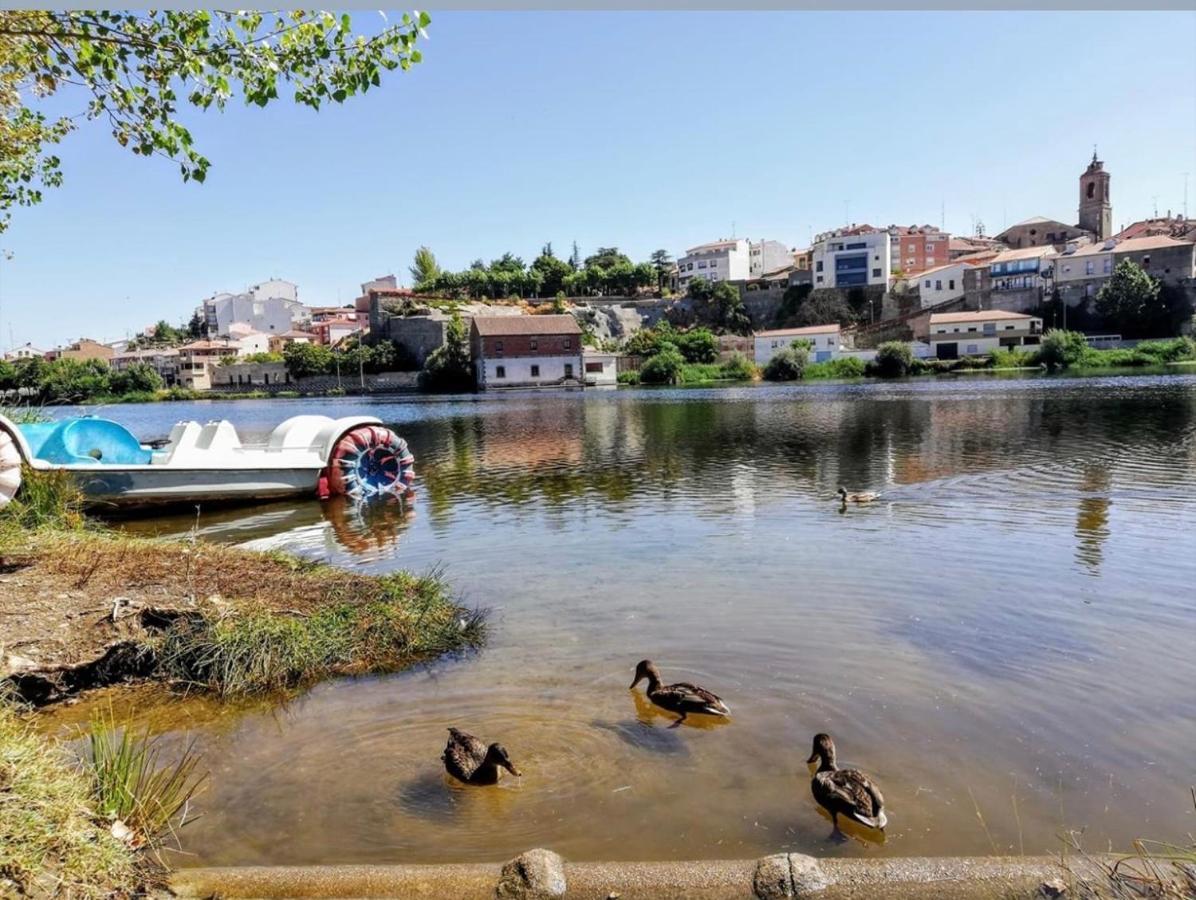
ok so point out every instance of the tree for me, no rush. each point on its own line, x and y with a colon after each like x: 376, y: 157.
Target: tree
x: 305, y: 359
x: 197, y: 327
x: 1061, y: 349
x: 448, y: 367
x: 1129, y: 301
x: 661, y: 262
x: 606, y: 258
x: 698, y: 345
x: 699, y: 289
x: 136, y: 69
x: 139, y: 378
x: 664, y: 367
x: 575, y: 258
x: 824, y: 308
x: 424, y: 268
x: 552, y: 271
x: 729, y: 310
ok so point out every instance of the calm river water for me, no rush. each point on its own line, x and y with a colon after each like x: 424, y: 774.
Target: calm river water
x: 1007, y: 641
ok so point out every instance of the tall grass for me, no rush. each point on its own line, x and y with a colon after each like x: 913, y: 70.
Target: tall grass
x: 47, y: 499
x: 148, y: 800
x: 24, y: 414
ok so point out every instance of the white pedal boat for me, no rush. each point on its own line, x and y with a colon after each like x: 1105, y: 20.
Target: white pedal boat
x: 315, y: 456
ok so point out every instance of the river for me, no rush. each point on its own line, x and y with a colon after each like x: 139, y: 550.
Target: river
x: 1006, y: 640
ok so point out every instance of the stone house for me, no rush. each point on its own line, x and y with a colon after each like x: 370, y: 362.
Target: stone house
x: 526, y: 351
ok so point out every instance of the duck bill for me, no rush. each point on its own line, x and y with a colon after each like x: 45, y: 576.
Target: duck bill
x: 813, y: 758
x: 510, y: 768
x: 634, y: 683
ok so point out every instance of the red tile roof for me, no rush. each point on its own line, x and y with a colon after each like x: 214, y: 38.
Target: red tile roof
x: 530, y: 325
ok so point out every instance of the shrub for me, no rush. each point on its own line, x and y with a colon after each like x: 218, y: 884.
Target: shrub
x: 698, y: 345
x: 448, y: 367
x: 739, y: 368
x: 1061, y: 349
x: 1175, y: 350
x: 1013, y: 358
x: 844, y: 367
x: 788, y: 364
x: 894, y: 359
x: 664, y: 367
x: 628, y: 377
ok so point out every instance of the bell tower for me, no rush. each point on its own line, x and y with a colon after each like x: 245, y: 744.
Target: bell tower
x: 1096, y: 212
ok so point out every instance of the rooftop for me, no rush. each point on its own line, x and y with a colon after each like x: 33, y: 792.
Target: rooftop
x: 1131, y: 245
x: 207, y: 345
x: 499, y: 326
x: 1024, y: 253
x: 715, y: 245
x: 984, y: 315
x: 789, y: 332
x: 951, y: 265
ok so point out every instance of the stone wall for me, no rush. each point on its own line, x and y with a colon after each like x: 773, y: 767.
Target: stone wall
x: 381, y: 383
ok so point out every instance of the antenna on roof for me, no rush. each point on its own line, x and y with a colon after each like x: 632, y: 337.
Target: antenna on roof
x: 1185, y: 195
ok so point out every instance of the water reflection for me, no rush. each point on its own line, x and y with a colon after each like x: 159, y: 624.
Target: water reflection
x: 1092, y: 515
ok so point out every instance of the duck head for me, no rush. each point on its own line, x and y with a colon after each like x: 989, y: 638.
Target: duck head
x: 646, y: 669
x: 823, y: 752
x: 496, y: 755
x: 842, y: 493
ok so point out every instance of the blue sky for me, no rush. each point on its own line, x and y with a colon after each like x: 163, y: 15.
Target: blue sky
x: 641, y: 130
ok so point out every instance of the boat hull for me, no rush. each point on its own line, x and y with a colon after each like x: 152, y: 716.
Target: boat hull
x: 163, y: 486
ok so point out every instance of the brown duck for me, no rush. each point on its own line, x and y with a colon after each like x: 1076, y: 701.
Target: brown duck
x: 682, y: 697
x: 468, y: 759
x: 844, y: 792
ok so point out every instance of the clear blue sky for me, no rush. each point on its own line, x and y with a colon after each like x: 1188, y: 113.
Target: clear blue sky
x: 641, y: 130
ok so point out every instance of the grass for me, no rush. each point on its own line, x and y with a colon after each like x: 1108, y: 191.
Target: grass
x: 46, y: 500
x: 52, y: 840
x: 130, y: 787
x: 738, y: 368
x: 263, y: 651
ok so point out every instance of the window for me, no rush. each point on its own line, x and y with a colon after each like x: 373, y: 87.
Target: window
x: 702, y: 264
x: 593, y: 367
x: 876, y: 273
x: 927, y: 282
x: 972, y: 349
x: 818, y: 267
x: 1090, y: 267
x: 689, y: 267
x: 971, y: 328
x: 535, y: 371
x: 1091, y: 189
x: 819, y: 278
x: 1108, y: 264
x: 498, y: 346
x: 568, y: 343
x: 1009, y: 327
x: 533, y: 344
x: 1146, y: 260
x: 500, y: 371
x: 951, y: 284
x: 938, y: 284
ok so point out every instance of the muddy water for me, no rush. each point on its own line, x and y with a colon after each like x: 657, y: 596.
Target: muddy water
x: 1007, y: 641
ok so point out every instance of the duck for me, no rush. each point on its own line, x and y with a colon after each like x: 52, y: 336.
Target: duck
x: 844, y: 792
x: 682, y: 697
x: 857, y: 496
x: 469, y: 760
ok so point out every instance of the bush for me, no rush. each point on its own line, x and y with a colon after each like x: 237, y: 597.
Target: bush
x: 1013, y: 358
x: 894, y: 359
x: 628, y: 377
x: 844, y: 367
x: 739, y: 368
x: 698, y: 345
x: 1061, y: 349
x: 788, y: 364
x: 664, y: 367
x: 448, y: 367
x: 1175, y: 350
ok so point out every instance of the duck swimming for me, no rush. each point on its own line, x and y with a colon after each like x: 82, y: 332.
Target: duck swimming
x: 844, y: 792
x: 682, y: 697
x: 469, y: 760
x: 857, y: 496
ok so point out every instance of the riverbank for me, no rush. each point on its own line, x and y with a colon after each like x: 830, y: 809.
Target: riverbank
x: 85, y: 606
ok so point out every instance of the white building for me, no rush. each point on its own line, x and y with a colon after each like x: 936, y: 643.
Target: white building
x: 716, y: 261
x: 600, y: 367
x: 940, y: 284
x: 852, y: 257
x: 956, y: 334
x: 27, y: 351
x: 767, y: 256
x: 823, y: 340
x: 163, y: 360
x: 270, y: 307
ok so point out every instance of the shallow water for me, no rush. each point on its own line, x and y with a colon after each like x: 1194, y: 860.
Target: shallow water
x: 1006, y: 641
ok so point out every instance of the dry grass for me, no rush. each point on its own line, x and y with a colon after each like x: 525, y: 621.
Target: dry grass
x: 52, y: 843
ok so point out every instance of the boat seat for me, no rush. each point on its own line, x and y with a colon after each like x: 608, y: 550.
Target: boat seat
x: 184, y: 437
x: 90, y: 441
x: 219, y: 437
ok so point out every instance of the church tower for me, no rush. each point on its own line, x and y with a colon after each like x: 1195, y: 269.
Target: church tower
x: 1096, y: 212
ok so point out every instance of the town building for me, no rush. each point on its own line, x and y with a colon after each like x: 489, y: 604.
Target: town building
x: 163, y: 360
x: 1082, y: 270
x: 967, y: 246
x: 1014, y: 280
x: 25, y: 351
x: 1179, y: 227
x: 725, y: 260
x: 279, y: 342
x: 331, y: 332
x: 248, y: 375
x: 915, y: 248
x: 824, y: 342
x: 83, y: 350
x: 601, y: 368
x: 526, y: 351
x: 803, y: 259
x: 852, y: 257
x: 271, y: 307
x: 940, y: 284
x: 198, y: 358
x: 955, y: 334
x: 1096, y: 211
x: 767, y: 256
x: 1041, y: 232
